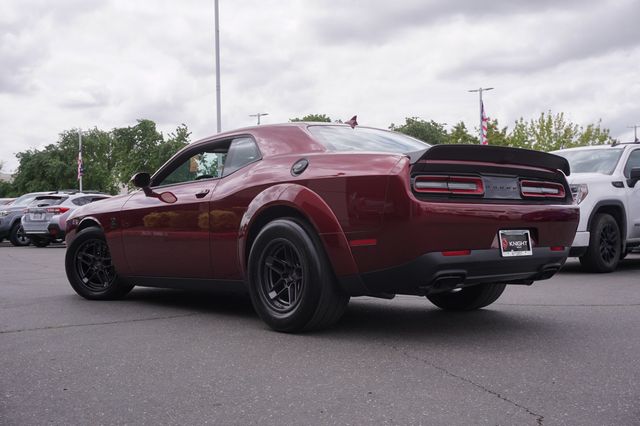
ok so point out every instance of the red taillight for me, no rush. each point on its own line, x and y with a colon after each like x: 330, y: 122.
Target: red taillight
x: 57, y: 210
x: 557, y: 248
x: 538, y: 189
x: 467, y: 185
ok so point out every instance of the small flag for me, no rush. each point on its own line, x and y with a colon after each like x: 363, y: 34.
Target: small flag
x: 485, y: 120
x: 80, y: 165
x: 353, y: 122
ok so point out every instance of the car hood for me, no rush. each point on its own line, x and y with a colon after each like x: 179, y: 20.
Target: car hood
x: 588, y: 178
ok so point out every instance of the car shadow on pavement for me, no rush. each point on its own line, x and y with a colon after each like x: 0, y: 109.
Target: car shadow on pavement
x: 369, y: 318
x: 221, y: 302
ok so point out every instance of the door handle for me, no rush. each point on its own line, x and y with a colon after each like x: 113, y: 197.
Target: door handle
x: 202, y: 193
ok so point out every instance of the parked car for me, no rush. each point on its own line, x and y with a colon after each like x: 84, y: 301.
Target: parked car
x: 309, y: 215
x: 604, y: 184
x: 44, y: 220
x: 10, y: 226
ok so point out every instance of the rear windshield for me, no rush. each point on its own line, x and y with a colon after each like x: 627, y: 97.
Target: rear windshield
x: 24, y: 200
x: 592, y: 160
x: 47, y: 201
x: 343, y: 138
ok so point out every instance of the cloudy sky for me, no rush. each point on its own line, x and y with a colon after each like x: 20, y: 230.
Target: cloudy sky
x: 105, y: 63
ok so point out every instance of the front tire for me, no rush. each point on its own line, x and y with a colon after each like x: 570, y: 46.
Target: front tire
x: 291, y: 282
x: 468, y: 298
x: 90, y: 270
x: 17, y: 236
x: 605, y: 245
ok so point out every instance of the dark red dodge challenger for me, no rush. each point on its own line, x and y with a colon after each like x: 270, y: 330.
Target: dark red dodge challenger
x: 307, y: 215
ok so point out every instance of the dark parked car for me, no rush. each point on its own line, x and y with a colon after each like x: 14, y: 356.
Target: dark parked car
x: 308, y: 215
x: 44, y: 220
x: 10, y: 226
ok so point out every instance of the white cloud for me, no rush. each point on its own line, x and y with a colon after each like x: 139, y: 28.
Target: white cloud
x: 78, y: 63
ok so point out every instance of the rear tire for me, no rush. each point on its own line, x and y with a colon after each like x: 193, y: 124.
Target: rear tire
x: 39, y: 241
x: 291, y: 282
x: 89, y: 268
x: 468, y: 298
x: 17, y: 236
x: 605, y: 245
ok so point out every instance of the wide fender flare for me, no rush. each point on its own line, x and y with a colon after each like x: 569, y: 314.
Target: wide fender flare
x: 310, y: 205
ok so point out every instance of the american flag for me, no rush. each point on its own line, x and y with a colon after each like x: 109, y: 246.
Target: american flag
x: 484, y: 140
x: 80, y: 165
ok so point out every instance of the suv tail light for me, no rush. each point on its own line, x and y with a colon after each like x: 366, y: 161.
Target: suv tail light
x: 538, y: 189
x: 57, y: 210
x: 466, y: 185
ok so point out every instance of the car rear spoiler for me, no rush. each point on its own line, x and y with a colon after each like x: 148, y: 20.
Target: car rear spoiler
x: 493, y: 154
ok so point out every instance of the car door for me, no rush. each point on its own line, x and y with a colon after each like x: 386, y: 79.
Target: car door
x: 171, y: 240
x: 633, y: 197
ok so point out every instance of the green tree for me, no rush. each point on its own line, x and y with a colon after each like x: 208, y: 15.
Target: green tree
x: 460, y: 135
x: 110, y: 158
x: 428, y: 131
x: 323, y: 118
x: 551, y: 132
x: 495, y: 135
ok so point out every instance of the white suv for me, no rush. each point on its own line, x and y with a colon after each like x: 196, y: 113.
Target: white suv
x: 603, y: 183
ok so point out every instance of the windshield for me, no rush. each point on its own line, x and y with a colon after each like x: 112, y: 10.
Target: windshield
x: 592, y: 160
x: 23, y: 200
x: 342, y: 138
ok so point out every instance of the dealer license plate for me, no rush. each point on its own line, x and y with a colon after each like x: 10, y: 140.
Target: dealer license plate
x: 515, y: 243
x: 37, y: 216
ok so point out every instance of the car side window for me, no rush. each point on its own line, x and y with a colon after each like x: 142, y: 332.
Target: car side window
x: 202, y: 165
x: 632, y: 162
x: 243, y: 151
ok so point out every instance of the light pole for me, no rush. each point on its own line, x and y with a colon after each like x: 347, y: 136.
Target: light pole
x: 259, y: 114
x: 635, y: 131
x: 483, y: 137
x: 217, y: 31
x: 80, y: 164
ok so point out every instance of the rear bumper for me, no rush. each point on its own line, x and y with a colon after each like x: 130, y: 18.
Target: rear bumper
x: 51, y: 230
x: 433, y: 272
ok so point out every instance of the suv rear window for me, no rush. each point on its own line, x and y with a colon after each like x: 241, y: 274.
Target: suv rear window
x: 344, y: 138
x: 48, y: 201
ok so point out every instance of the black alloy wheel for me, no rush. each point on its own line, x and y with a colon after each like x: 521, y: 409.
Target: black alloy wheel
x: 605, y: 245
x: 291, y: 282
x: 282, y: 276
x: 18, y: 237
x: 609, y: 242
x: 90, y: 270
x: 93, y: 265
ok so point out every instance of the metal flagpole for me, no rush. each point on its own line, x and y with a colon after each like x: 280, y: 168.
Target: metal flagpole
x: 80, y: 165
x: 480, y: 90
x: 217, y: 31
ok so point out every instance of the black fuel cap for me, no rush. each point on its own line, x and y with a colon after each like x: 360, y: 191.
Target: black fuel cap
x: 299, y: 167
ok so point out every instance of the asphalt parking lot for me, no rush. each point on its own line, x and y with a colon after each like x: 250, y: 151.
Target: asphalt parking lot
x: 565, y: 351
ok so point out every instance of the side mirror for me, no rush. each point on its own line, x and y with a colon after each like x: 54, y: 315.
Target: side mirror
x: 141, y: 180
x: 634, y: 177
